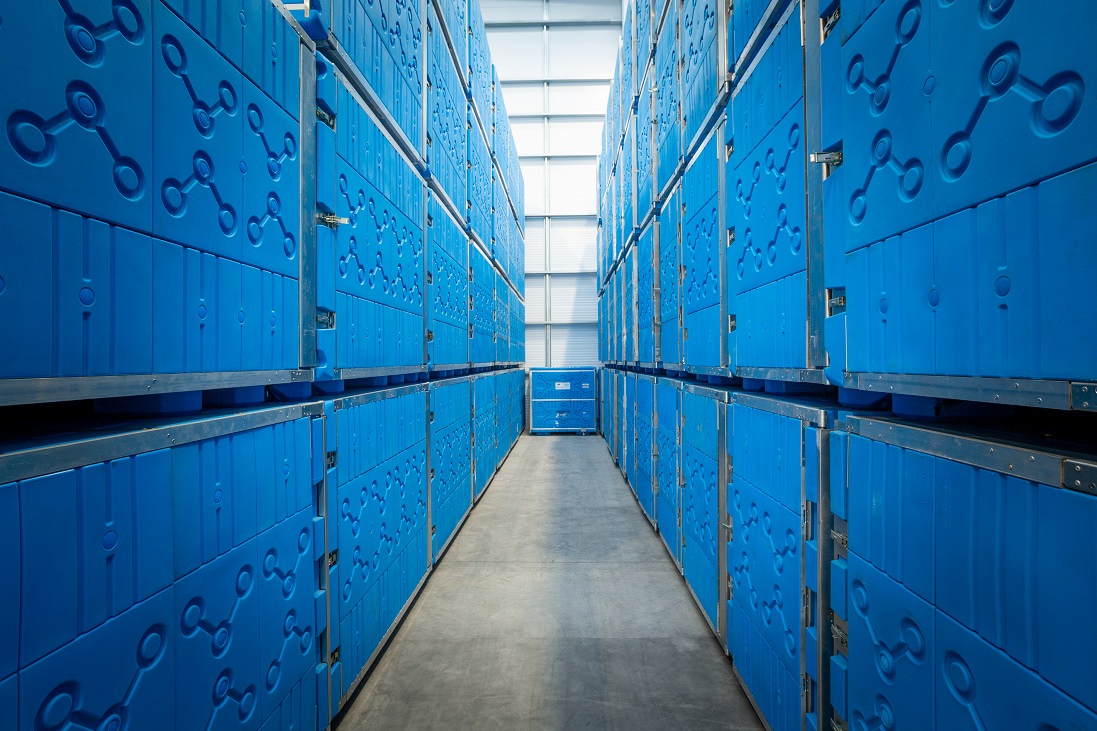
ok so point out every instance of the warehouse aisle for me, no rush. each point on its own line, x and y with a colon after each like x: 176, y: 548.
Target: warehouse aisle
x: 556, y: 607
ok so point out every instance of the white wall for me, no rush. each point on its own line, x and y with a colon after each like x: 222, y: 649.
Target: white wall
x: 555, y: 60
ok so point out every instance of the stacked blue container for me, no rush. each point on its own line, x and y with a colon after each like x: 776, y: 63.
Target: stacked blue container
x: 829, y: 230
x: 213, y: 209
x: 563, y: 400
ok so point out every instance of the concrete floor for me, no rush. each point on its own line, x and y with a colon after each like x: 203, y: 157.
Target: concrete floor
x: 557, y: 606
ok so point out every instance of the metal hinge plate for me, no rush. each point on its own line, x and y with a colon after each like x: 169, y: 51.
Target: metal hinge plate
x: 841, y: 539
x: 327, y: 119
x: 833, y: 159
x: 330, y: 220
x: 331, y: 460
x: 325, y: 320
x: 1080, y: 476
x: 333, y: 558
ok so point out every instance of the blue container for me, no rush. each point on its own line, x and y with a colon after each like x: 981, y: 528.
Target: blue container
x: 645, y: 149
x: 484, y: 431
x: 668, y: 101
x: 384, y: 41
x: 193, y: 551
x: 448, y: 291
x: 379, y: 525
x: 766, y: 207
x: 450, y: 434
x: 670, y: 301
x: 564, y: 416
x: 646, y: 301
x: 151, y: 233
x: 668, y: 448
x: 629, y: 305
x: 478, y: 190
x: 482, y: 330
x: 702, y: 71
x: 922, y: 221
x: 447, y: 112
x: 702, y: 254
x: 645, y: 445
x: 479, y: 60
x: 374, y: 277
x: 502, y: 319
x: 701, y: 416
x: 948, y: 627
x: 562, y: 384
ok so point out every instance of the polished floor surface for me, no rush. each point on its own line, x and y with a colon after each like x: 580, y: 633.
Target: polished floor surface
x: 556, y: 607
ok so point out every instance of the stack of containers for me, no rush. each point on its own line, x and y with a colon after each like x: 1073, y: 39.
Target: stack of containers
x: 246, y: 262
x: 828, y: 260
x: 563, y: 400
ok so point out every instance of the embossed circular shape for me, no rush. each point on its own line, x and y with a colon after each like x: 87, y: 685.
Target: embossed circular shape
x: 795, y: 240
x: 909, y: 20
x: 171, y: 193
x: 885, y: 663
x: 221, y: 688
x: 2, y: 285
x: 110, y: 540
x: 241, y: 316
x: 203, y: 122
x: 270, y: 562
x: 881, y: 96
x: 346, y: 590
x: 910, y: 184
x: 128, y: 178
x: 1001, y: 70
x: 273, y: 673
x: 273, y: 320
x: 84, y: 40
x: 247, y: 703
x: 929, y: 85
x: 87, y: 296
x: 290, y: 146
x: 304, y: 539
x: 289, y: 245
x: 913, y: 639
x: 113, y: 722
x: 994, y: 11
x: 255, y: 117
x: 27, y: 134
x: 956, y: 157
x: 218, y: 495
x: 226, y: 217
x: 192, y: 615
x: 959, y: 678
x: 174, y: 56
x: 860, y: 597
x: 881, y: 149
x: 886, y: 716
x: 1002, y: 286
x: 306, y: 640
x: 57, y: 709
x: 128, y: 21
x: 855, y: 74
x: 255, y: 231
x: 227, y: 95
x: 221, y: 638
x: 858, y: 207
x: 273, y: 204
x: 274, y: 168
x: 1061, y: 105
x: 288, y: 584
x: 883, y: 306
x: 243, y: 581
x: 934, y: 297
x: 84, y: 105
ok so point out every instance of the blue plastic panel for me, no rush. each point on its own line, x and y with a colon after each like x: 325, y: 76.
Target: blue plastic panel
x: 455, y: 15
x: 645, y: 444
x: 502, y: 319
x: 701, y: 253
x: 776, y: 691
x: 626, y: 79
x: 925, y: 511
x: 628, y: 428
x: 564, y: 416
x: 668, y: 110
x: 626, y: 194
x: 482, y: 345
x: 700, y: 493
x: 668, y: 447
x: 448, y: 290
x: 451, y: 458
x: 478, y: 191
x: 670, y: 331
x: 972, y: 293
x: 479, y: 59
x: 645, y: 295
x: 919, y: 147
x: 484, y: 434
x: 629, y: 302
x: 447, y: 114
x: 561, y: 383
x: 701, y: 72
x: 645, y: 152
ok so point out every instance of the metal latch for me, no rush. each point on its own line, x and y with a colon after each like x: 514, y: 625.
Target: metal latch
x: 836, y: 303
x: 833, y: 159
x: 331, y: 459
x: 731, y: 323
x: 430, y: 336
x: 841, y: 539
x: 831, y: 20
x: 331, y: 220
x: 430, y: 278
x: 333, y: 558
x: 840, y: 637
x: 334, y: 656
x: 327, y: 119
x: 325, y: 320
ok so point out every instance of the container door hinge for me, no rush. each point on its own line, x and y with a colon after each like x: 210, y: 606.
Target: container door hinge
x: 331, y: 220
x: 1080, y: 476
x: 334, y: 657
x: 731, y: 236
x: 685, y: 333
x: 841, y: 539
x: 731, y: 323
x: 333, y: 558
x: 838, y: 725
x: 331, y: 460
x: 834, y: 159
x: 430, y: 336
x: 325, y: 320
x: 432, y: 473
